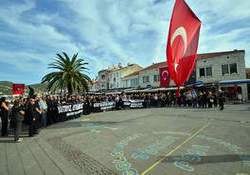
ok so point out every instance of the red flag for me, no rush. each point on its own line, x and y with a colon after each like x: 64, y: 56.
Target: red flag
x: 164, y: 77
x: 182, y: 42
x: 18, y: 89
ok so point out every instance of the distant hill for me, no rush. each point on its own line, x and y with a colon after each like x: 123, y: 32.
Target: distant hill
x: 6, y: 87
x: 39, y: 87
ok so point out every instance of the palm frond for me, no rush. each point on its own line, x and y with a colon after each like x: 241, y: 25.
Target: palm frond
x: 70, y: 74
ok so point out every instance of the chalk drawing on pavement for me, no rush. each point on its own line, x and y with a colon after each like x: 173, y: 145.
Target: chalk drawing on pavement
x: 153, y: 148
x: 232, y: 147
x: 96, y: 128
x: 193, y: 154
x: 120, y: 160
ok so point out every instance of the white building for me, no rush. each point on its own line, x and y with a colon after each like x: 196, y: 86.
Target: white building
x: 131, y: 80
x: 211, y: 68
x: 94, y: 86
x: 214, y: 67
x: 103, y: 79
x: 112, y: 78
x: 146, y: 78
x: 117, y: 75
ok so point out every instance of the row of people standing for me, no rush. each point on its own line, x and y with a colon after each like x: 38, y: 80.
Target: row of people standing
x: 31, y: 111
x: 40, y: 112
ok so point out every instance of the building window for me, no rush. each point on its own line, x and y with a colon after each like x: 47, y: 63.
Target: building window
x: 145, y: 79
x: 224, y: 69
x: 202, y: 72
x: 233, y: 68
x: 134, y: 82
x: 209, y: 71
x: 114, y: 79
x: 156, y: 78
x: 103, y: 77
x: 206, y: 72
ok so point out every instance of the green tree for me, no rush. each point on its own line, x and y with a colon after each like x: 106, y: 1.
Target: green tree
x: 70, y: 74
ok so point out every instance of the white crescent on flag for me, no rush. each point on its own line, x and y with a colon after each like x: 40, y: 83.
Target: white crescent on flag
x: 180, y: 31
x: 164, y: 74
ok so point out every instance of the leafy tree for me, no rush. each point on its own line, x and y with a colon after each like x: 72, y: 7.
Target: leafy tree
x: 70, y: 74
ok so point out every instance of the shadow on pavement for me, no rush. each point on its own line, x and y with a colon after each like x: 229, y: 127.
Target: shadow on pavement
x: 196, y: 160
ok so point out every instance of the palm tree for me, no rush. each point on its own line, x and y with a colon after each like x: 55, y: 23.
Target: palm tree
x: 70, y: 74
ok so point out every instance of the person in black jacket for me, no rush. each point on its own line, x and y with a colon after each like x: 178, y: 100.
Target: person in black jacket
x: 221, y: 99
x: 33, y: 117
x: 50, y: 114
x: 4, y: 116
x: 17, y: 115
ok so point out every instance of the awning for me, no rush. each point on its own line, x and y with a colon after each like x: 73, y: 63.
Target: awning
x: 113, y: 93
x: 242, y: 81
x: 198, y: 83
x: 156, y: 89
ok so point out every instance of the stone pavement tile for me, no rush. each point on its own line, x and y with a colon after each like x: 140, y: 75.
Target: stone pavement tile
x: 81, y: 161
x: 45, y: 163
x: 3, y: 159
x: 65, y: 167
x: 14, y: 160
x: 30, y: 164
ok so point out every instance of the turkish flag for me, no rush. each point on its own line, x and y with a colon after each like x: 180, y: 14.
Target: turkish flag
x: 18, y: 89
x: 182, y: 42
x: 164, y: 77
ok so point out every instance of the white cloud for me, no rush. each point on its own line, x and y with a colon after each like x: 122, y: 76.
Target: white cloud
x: 39, y: 43
x: 109, y: 31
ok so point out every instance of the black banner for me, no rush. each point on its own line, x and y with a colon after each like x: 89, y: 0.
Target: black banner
x: 134, y: 103
x: 70, y: 109
x: 104, y: 105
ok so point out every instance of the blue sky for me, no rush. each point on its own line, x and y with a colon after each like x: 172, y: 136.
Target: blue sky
x: 107, y: 32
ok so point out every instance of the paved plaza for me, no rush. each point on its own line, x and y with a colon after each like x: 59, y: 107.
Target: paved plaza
x: 160, y: 141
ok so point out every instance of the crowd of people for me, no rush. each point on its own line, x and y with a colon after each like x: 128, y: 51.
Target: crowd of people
x: 40, y: 111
